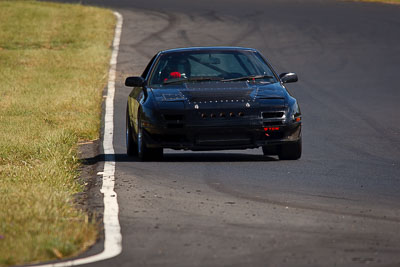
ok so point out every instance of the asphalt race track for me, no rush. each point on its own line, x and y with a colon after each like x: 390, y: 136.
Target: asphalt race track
x: 337, y: 206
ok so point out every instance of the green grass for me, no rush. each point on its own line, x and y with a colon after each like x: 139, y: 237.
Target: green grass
x: 53, y: 67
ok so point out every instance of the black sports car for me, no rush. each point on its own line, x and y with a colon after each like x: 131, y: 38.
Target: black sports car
x: 212, y: 98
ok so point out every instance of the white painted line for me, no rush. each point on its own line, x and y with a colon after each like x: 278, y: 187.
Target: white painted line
x: 112, y: 229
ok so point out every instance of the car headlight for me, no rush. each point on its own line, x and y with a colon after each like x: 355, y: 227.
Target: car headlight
x: 295, y: 115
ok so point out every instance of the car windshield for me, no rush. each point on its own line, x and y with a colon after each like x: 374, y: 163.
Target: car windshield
x: 211, y: 65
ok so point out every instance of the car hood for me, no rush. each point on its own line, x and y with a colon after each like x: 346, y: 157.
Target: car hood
x: 218, y: 92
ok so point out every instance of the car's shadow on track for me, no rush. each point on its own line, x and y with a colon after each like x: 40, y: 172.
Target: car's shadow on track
x: 214, y: 157
x: 182, y: 157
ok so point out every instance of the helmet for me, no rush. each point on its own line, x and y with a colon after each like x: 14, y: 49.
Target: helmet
x: 177, y: 64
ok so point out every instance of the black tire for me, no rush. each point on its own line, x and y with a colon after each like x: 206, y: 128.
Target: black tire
x: 291, y: 151
x: 156, y: 153
x: 131, y: 147
x: 269, y: 150
x: 145, y: 153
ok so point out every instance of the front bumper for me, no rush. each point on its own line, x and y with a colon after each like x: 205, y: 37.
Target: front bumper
x: 217, y: 136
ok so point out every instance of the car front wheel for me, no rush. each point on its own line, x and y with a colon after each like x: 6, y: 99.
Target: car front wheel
x: 291, y: 151
x: 131, y: 147
x: 270, y: 150
x: 145, y: 153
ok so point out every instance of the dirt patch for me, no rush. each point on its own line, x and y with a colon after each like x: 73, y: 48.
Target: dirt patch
x: 91, y: 200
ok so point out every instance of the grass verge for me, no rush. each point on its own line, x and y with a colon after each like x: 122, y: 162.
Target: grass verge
x: 381, y: 1
x: 53, y: 66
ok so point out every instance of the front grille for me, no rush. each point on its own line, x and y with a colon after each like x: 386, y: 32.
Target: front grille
x: 273, y: 115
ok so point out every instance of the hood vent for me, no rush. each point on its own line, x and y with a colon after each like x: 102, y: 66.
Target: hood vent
x: 173, y: 97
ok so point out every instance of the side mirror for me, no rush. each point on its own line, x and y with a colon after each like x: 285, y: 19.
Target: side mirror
x: 288, y: 77
x: 134, y: 82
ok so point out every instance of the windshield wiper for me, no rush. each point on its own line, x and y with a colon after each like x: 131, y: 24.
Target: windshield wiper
x: 245, y: 78
x: 175, y: 81
x: 193, y: 79
x: 204, y: 78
